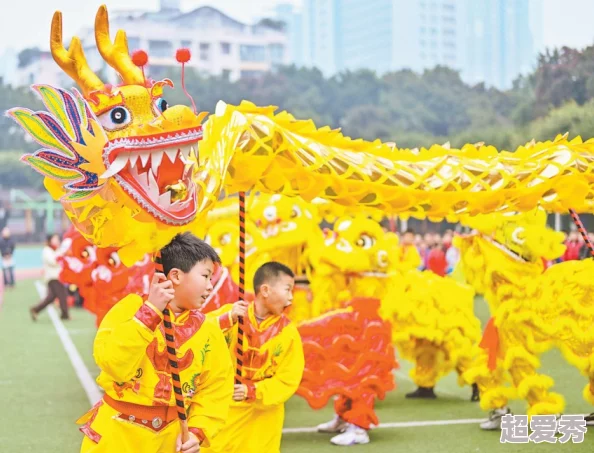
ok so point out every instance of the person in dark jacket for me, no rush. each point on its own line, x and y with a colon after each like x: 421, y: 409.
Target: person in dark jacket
x: 7, y: 246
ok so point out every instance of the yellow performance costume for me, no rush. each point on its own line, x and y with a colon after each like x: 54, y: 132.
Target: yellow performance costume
x: 288, y: 228
x: 272, y: 369
x: 504, y: 261
x: 138, y: 410
x: 432, y: 317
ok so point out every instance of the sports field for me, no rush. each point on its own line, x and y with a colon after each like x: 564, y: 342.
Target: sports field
x: 42, y: 394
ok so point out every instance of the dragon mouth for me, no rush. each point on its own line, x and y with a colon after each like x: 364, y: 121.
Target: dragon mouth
x: 514, y: 255
x: 157, y: 171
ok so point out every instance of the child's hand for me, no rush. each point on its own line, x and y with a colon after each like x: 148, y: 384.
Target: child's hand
x: 191, y: 446
x: 239, y: 392
x: 239, y: 309
x: 161, y: 291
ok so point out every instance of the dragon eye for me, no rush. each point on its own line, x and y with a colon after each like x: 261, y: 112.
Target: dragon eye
x: 116, y: 118
x: 365, y: 241
x: 161, y: 104
x: 114, y: 259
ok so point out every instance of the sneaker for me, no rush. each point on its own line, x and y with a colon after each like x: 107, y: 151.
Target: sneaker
x: 589, y: 419
x: 422, y: 392
x: 494, y: 421
x: 336, y: 425
x: 33, y: 313
x: 475, y: 394
x: 353, y: 435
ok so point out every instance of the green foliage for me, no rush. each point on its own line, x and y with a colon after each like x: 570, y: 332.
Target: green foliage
x: 14, y: 173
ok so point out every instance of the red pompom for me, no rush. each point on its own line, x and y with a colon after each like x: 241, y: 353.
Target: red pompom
x: 183, y: 55
x: 140, y: 58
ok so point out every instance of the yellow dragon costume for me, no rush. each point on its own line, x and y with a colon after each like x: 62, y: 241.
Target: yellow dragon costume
x: 532, y: 310
x: 132, y: 172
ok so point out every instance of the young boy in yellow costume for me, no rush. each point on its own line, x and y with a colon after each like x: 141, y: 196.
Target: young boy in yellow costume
x: 138, y: 410
x: 273, y: 364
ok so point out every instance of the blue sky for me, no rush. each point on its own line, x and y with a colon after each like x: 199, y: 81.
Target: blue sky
x: 26, y: 23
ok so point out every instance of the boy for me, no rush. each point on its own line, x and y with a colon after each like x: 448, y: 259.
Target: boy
x: 138, y: 411
x: 273, y: 364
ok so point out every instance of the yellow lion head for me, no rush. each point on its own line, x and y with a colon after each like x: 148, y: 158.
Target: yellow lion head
x: 523, y: 236
x: 357, y: 244
x: 285, y: 222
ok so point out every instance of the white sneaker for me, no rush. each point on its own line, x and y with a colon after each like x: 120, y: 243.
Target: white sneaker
x: 353, y: 435
x: 494, y: 421
x: 336, y: 425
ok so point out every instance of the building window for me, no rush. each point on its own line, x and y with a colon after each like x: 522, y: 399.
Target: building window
x: 277, y: 52
x: 204, y: 48
x: 251, y: 74
x: 133, y: 43
x: 252, y: 53
x: 225, y: 48
x: 186, y: 44
x: 160, y: 49
x: 158, y: 72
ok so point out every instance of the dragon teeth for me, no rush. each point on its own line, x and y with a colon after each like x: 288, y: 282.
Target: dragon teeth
x: 144, y: 157
x: 165, y: 199
x: 153, y: 186
x: 133, y: 159
x: 156, y: 158
x: 116, y: 166
x: 171, y: 154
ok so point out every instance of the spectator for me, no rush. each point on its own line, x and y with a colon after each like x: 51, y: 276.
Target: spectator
x: 7, y: 246
x: 584, y: 250
x: 452, y: 257
x: 4, y: 216
x: 573, y: 247
x: 436, y: 259
x: 447, y: 239
x: 51, y: 272
x: 429, y: 241
x: 408, y: 255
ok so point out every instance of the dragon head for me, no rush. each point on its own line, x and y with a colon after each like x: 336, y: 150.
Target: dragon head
x: 522, y: 236
x: 114, y: 153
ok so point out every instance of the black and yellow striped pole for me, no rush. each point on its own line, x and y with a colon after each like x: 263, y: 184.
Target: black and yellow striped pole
x: 582, y: 230
x: 172, y: 355
x: 240, y: 327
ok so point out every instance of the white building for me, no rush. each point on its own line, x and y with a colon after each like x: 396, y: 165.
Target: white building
x: 41, y: 69
x: 220, y: 45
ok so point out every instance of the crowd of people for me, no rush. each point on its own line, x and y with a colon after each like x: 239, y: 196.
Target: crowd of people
x: 435, y: 251
x: 439, y: 256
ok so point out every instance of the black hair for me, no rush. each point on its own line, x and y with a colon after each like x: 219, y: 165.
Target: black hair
x: 268, y: 272
x: 409, y: 230
x: 184, y: 251
x: 50, y: 236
